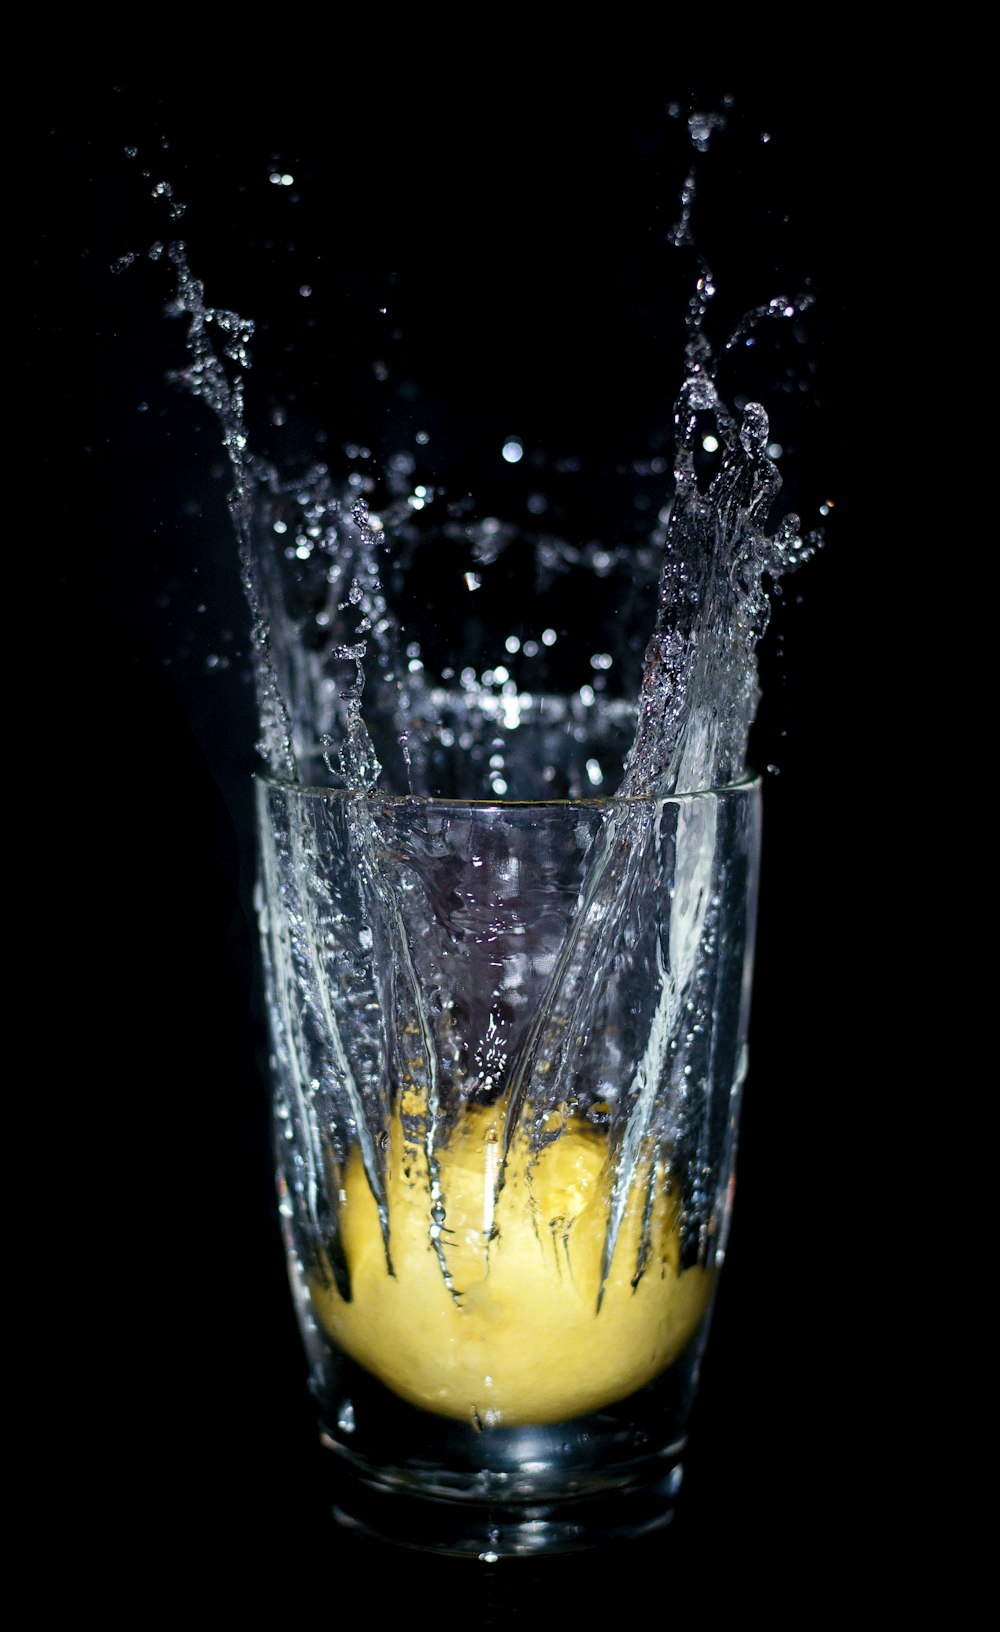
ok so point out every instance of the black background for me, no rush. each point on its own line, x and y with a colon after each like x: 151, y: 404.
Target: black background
x: 525, y: 225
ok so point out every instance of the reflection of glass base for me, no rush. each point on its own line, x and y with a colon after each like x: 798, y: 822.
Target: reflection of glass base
x: 423, y: 1481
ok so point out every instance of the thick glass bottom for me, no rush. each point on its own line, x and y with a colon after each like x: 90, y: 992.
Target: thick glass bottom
x: 476, y: 1527
x: 423, y: 1481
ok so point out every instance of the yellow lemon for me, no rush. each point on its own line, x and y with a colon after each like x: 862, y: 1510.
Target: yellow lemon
x: 518, y: 1338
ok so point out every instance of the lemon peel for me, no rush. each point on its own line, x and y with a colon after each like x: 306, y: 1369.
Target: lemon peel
x: 519, y: 1337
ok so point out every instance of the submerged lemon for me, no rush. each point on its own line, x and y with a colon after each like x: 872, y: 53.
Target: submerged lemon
x: 519, y: 1339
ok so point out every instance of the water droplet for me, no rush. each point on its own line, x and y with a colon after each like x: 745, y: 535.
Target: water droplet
x: 701, y: 127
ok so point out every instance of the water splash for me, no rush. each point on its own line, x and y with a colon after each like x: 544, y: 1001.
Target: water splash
x: 353, y: 693
x: 347, y: 694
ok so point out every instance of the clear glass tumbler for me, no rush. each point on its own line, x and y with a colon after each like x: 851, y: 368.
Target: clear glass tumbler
x: 508, y: 1046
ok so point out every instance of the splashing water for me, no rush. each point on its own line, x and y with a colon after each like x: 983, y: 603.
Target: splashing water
x: 337, y: 674
x: 358, y: 692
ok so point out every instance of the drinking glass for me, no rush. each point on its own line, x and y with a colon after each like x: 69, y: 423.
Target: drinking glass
x: 508, y: 1044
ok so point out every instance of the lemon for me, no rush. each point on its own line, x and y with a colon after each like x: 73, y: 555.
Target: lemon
x: 519, y: 1338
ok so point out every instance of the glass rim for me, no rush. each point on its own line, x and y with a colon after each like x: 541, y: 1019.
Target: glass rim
x: 748, y: 784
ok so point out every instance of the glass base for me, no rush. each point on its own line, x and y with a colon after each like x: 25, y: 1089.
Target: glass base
x: 490, y: 1520
x: 479, y: 1529
x: 424, y: 1481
